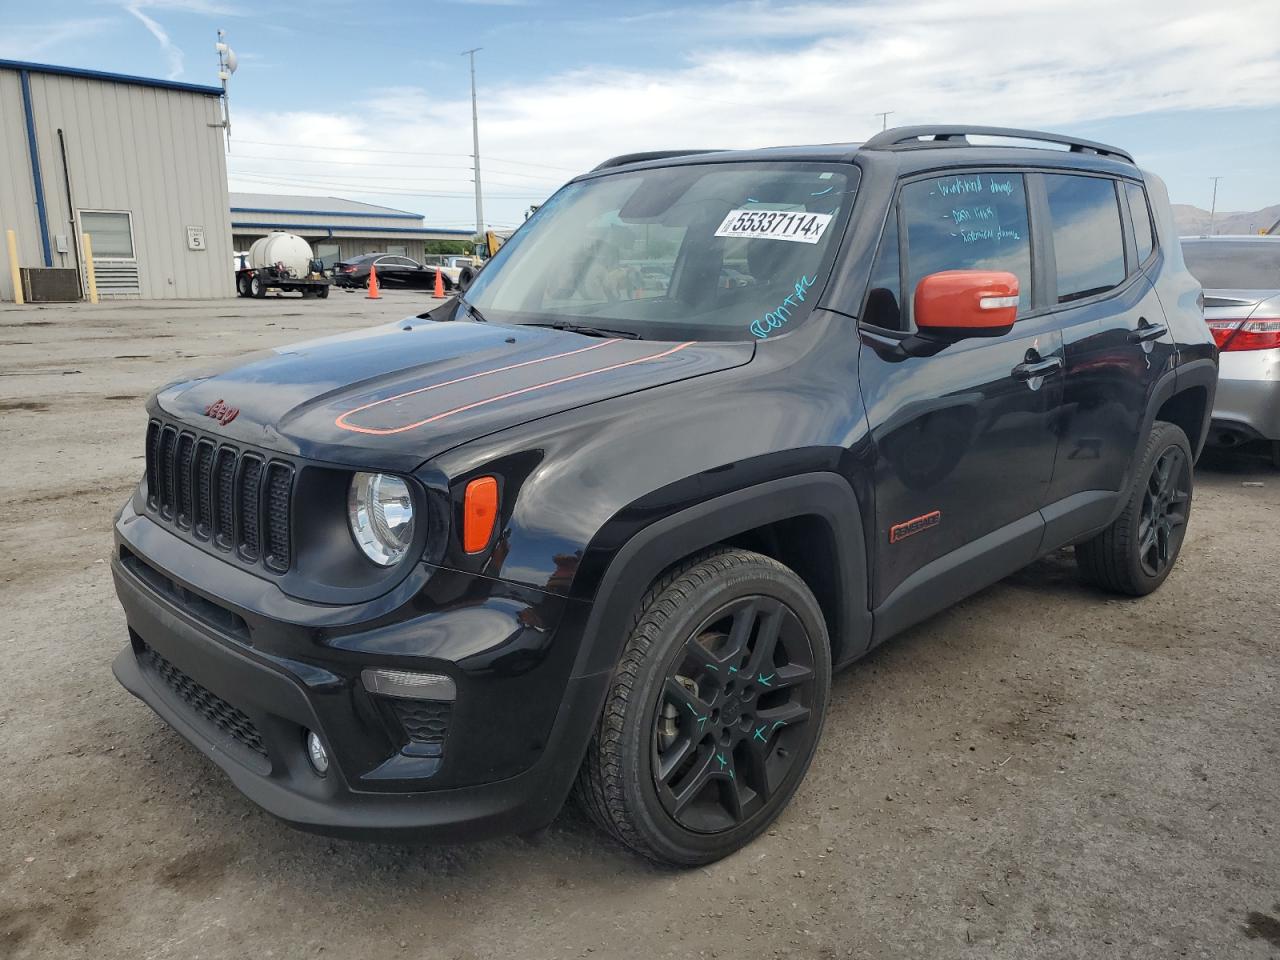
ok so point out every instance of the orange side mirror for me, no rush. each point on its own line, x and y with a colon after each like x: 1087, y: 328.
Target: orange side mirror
x: 967, y: 303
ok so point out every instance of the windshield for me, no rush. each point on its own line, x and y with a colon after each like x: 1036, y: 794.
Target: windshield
x: 1234, y: 264
x: 700, y: 252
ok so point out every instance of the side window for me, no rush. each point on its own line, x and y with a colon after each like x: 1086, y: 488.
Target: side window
x: 884, y: 293
x: 1088, y: 243
x: 1140, y: 214
x: 968, y: 221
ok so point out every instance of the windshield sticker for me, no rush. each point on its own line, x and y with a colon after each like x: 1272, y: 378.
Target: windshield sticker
x: 776, y: 318
x: 796, y: 226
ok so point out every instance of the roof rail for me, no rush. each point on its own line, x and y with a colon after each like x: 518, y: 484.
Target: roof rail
x: 625, y: 158
x: 957, y: 134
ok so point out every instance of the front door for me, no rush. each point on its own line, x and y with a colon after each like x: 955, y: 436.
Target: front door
x: 963, y: 441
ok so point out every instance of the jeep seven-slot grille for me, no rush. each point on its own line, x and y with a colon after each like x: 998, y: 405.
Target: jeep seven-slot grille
x: 218, y: 493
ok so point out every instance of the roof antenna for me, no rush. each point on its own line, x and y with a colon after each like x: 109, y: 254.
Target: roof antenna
x: 227, y: 63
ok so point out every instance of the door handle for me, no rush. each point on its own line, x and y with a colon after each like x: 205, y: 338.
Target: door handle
x: 1037, y: 368
x: 1147, y: 332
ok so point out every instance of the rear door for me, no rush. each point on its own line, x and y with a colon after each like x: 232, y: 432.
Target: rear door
x: 1099, y: 248
x: 963, y: 439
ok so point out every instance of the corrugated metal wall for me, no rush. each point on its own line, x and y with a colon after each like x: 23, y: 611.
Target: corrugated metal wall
x: 150, y: 151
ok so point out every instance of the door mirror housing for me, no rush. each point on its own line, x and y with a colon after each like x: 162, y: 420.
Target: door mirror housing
x: 966, y: 303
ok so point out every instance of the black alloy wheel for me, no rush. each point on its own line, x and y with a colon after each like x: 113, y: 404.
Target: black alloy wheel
x: 1164, y: 511
x: 733, y: 711
x: 714, y: 710
x: 1137, y: 551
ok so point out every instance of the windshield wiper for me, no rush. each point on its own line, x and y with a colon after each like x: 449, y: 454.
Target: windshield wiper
x: 472, y: 310
x: 589, y: 331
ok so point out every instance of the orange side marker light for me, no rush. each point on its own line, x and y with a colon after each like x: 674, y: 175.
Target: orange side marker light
x: 479, y: 513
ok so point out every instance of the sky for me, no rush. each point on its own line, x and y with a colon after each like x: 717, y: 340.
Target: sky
x: 371, y: 101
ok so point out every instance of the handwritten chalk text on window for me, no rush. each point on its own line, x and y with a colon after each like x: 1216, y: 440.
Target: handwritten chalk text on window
x: 776, y: 318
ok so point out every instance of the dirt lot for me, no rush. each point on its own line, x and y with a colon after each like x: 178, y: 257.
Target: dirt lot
x: 1040, y: 772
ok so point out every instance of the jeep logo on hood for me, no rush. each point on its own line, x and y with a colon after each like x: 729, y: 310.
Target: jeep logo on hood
x: 221, y: 412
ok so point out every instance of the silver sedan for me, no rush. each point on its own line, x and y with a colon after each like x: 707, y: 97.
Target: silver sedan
x: 1241, y: 280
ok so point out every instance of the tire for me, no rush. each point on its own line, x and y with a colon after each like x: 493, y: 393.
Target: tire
x: 729, y: 765
x: 242, y: 285
x: 323, y: 292
x: 464, y: 279
x: 257, y: 288
x: 1134, y: 555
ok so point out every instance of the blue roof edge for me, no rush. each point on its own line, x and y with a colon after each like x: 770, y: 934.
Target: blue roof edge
x: 330, y: 213
x: 110, y: 77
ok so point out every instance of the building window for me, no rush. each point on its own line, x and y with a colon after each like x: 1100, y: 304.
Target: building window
x: 110, y: 233
x: 396, y: 249
x: 328, y: 254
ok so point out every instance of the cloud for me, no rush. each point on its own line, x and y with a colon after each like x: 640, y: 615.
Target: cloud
x: 755, y: 73
x: 21, y: 42
x: 173, y: 53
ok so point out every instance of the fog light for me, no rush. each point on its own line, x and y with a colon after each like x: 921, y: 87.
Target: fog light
x: 316, y: 754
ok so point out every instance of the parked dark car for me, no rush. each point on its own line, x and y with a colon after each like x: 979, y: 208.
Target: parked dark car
x: 572, y: 533
x: 1241, y: 277
x: 394, y: 271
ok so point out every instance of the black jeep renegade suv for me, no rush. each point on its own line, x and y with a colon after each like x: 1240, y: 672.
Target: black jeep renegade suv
x: 708, y: 426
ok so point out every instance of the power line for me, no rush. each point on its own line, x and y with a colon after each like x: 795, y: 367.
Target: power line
x: 379, y: 191
x: 338, y: 181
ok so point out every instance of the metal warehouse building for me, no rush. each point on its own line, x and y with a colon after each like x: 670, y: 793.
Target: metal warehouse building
x: 335, y: 228
x: 136, y: 163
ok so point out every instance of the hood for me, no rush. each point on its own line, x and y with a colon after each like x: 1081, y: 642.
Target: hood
x: 397, y: 395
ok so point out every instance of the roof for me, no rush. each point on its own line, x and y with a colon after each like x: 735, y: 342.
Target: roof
x: 314, y: 206
x: 105, y: 77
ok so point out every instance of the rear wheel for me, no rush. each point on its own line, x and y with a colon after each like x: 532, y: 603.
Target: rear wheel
x: 242, y: 285
x: 1136, y: 553
x: 256, y: 287
x: 323, y: 292
x: 715, y: 710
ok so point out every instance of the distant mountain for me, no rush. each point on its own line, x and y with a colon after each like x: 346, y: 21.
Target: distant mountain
x: 1194, y: 222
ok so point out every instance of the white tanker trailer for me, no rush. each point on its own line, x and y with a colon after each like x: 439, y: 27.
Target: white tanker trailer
x: 280, y: 261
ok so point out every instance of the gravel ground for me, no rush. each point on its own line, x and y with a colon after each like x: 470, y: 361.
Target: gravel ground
x: 1041, y: 771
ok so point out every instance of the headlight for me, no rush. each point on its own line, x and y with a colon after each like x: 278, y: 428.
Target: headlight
x: 380, y: 510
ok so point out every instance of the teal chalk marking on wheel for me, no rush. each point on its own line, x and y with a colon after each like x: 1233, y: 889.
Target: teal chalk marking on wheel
x: 759, y: 734
x: 721, y: 760
x: 763, y: 680
x: 779, y: 723
x: 733, y: 669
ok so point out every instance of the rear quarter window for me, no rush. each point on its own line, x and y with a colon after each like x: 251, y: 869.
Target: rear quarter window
x: 1140, y: 214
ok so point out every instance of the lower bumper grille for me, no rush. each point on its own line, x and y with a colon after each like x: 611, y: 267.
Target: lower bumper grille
x: 224, y: 716
x: 423, y: 721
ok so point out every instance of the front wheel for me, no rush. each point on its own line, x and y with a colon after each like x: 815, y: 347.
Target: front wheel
x: 242, y: 285
x: 714, y: 712
x: 1136, y: 553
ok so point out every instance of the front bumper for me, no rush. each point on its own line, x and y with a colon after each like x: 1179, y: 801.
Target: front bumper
x: 1247, y: 404
x: 245, y: 688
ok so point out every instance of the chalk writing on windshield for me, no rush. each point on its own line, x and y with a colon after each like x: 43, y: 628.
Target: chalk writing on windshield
x: 777, y: 318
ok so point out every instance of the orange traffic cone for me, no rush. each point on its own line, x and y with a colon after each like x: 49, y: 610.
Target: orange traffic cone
x: 373, y: 285
x: 439, y: 291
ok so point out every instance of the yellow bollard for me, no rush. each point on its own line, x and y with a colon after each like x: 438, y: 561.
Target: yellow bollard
x: 13, y: 268
x: 90, y: 277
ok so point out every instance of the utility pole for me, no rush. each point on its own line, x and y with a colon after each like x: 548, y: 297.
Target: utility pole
x: 1213, y: 207
x: 884, y: 118
x: 475, y: 143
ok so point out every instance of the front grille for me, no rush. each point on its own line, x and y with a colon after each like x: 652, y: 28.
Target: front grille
x: 423, y: 721
x: 237, y: 499
x: 230, y: 720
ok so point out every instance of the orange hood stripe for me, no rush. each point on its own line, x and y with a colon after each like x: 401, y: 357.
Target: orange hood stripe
x: 502, y: 396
